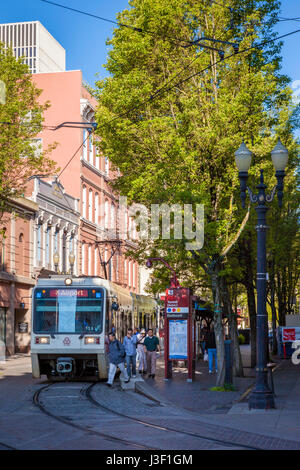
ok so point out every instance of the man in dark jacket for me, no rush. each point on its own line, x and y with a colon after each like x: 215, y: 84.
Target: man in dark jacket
x: 116, y: 355
x: 210, y: 345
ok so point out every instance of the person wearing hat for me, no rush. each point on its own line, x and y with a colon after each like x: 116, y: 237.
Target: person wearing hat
x: 116, y: 355
x: 141, y: 352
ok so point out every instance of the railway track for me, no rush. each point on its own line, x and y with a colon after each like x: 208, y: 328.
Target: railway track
x: 160, y: 430
x: 37, y: 402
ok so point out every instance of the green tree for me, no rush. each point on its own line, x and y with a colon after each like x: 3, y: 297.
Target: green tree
x: 171, y: 117
x: 21, y: 117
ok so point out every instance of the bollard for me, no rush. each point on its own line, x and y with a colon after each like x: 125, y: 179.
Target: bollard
x: 228, y: 361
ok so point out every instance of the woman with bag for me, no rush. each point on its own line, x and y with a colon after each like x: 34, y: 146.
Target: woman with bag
x: 116, y: 355
x: 141, y: 352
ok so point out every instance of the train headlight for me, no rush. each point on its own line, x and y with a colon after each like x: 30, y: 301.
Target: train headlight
x: 42, y: 340
x: 68, y: 281
x: 91, y: 340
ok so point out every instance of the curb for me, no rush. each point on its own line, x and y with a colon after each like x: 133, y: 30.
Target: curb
x: 246, y: 393
x: 144, y: 389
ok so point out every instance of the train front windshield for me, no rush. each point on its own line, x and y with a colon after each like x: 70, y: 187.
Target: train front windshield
x: 68, y: 310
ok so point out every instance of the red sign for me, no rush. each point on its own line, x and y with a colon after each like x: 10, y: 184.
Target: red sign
x: 288, y: 334
x: 177, y: 300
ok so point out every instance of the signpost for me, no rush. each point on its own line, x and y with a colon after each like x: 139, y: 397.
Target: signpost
x: 179, y: 330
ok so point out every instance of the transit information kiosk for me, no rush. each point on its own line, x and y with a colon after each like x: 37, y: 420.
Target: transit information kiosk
x: 179, y: 330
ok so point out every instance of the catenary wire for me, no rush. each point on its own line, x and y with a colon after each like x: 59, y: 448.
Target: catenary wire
x: 134, y: 28
x: 75, y: 153
x: 164, y: 90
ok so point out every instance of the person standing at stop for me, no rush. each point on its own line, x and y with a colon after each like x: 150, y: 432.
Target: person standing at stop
x: 151, y: 346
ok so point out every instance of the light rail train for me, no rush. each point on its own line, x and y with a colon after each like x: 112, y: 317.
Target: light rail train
x: 71, y: 317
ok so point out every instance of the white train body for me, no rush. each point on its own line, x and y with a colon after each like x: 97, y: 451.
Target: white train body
x: 71, y: 318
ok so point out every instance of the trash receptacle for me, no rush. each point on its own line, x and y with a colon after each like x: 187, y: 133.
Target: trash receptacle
x: 228, y: 361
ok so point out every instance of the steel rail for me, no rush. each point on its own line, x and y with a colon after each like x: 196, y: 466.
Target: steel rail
x: 165, y: 428
x: 38, y: 404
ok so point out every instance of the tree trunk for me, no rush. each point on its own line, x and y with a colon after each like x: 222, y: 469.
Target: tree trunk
x: 232, y: 320
x: 218, y: 327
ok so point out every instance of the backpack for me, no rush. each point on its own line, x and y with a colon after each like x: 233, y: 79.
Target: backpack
x: 123, y: 352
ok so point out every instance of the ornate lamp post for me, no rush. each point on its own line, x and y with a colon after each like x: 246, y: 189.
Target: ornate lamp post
x: 261, y: 397
x: 72, y: 262
x: 56, y: 261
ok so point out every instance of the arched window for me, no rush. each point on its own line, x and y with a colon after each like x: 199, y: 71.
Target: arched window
x: 96, y: 208
x: 83, y: 258
x: 96, y: 264
x: 106, y: 214
x: 133, y: 275
x: 47, y: 246
x: 90, y: 260
x: 97, y: 158
x: 39, y: 243
x: 84, y: 202
x: 90, y: 205
x: 129, y: 274
x: 85, y: 144
x: 112, y: 216
x: 91, y: 151
x: 106, y: 165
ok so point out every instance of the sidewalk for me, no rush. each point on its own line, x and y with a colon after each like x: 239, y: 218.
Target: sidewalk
x: 196, y: 396
x: 230, y: 409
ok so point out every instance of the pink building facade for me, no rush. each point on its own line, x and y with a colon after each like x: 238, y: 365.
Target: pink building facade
x: 99, y: 251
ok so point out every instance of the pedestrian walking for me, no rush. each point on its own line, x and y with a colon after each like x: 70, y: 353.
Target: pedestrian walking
x: 151, y: 346
x: 130, y: 343
x: 116, y: 355
x: 141, y: 352
x: 210, y: 344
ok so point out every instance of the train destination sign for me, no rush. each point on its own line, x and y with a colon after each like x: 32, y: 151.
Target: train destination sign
x: 68, y: 293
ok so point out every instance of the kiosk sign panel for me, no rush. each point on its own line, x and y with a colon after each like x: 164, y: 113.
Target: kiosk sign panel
x: 177, y: 303
x: 178, y: 339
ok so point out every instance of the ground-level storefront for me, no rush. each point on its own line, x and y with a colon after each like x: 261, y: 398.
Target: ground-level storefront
x: 15, y: 313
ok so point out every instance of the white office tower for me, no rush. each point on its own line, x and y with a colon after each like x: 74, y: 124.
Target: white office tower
x: 31, y: 40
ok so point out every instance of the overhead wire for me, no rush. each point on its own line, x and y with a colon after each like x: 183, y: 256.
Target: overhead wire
x: 163, y: 90
x: 134, y: 28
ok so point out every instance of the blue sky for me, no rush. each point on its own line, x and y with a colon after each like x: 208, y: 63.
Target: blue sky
x: 84, y: 37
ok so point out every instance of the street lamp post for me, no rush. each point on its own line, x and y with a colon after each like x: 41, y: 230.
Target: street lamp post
x: 174, y: 281
x: 261, y: 397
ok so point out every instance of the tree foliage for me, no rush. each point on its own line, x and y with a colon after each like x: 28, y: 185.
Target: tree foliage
x: 171, y: 117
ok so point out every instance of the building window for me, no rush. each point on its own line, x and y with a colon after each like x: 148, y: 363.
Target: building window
x: 83, y: 258
x: 97, y: 159
x: 85, y: 144
x: 96, y: 208
x: 96, y: 261
x: 90, y: 205
x: 39, y: 243
x: 112, y: 217
x: 2, y: 252
x: 84, y: 202
x: 90, y: 261
x: 106, y: 165
x: 91, y: 152
x: 48, y: 231
x: 106, y: 214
